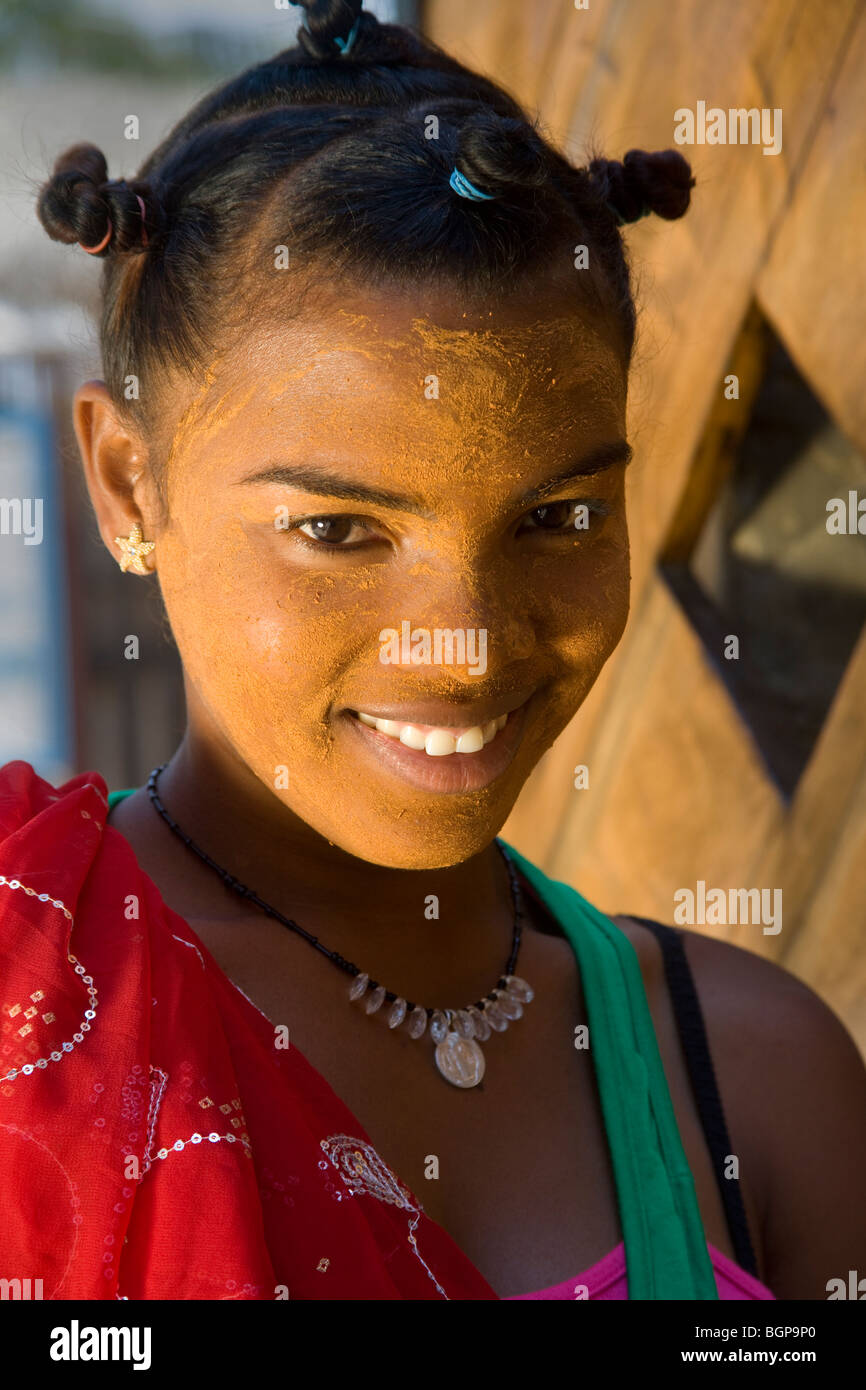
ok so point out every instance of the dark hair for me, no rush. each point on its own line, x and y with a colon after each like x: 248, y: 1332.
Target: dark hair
x: 325, y: 152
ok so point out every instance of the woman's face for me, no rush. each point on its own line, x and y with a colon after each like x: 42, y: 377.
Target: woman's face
x: 389, y: 462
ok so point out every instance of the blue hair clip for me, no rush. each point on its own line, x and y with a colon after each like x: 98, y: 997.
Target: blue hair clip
x: 461, y: 185
x: 345, y: 44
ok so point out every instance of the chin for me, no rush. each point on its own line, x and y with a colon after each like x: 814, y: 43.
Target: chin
x: 427, y: 841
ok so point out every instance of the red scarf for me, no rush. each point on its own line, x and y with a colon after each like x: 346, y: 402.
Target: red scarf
x: 154, y: 1143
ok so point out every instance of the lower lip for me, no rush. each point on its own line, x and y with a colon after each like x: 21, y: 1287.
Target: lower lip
x: 454, y: 772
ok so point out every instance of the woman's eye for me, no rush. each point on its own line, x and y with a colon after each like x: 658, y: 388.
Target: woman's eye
x: 571, y: 515
x: 347, y: 532
x: 332, y: 530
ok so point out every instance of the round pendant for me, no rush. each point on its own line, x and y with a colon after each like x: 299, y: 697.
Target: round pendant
x: 460, y: 1060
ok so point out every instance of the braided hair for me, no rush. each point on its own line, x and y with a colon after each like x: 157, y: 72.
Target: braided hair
x: 340, y: 150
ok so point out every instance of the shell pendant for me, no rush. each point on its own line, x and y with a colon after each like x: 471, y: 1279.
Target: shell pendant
x: 460, y: 1060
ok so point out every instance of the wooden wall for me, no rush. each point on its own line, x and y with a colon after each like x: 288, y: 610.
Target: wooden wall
x: 678, y: 789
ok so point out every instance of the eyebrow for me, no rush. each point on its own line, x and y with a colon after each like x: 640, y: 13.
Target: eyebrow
x: 322, y: 482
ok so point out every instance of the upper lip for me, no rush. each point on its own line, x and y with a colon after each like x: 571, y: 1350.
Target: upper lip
x: 444, y: 716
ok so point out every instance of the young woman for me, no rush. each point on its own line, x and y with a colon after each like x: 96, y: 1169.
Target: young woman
x: 376, y: 459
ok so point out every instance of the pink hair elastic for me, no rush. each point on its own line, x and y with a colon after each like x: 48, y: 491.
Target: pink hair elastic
x: 143, y: 214
x: 92, y: 250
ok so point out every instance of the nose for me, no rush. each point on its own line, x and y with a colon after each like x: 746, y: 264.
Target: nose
x: 483, y: 604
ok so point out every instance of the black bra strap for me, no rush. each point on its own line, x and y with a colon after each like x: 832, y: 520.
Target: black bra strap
x: 693, y: 1036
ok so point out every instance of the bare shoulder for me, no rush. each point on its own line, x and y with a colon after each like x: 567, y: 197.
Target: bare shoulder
x: 748, y: 1000
x: 793, y: 1085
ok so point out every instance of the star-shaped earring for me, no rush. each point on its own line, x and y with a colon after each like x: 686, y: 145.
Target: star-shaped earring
x: 134, y: 550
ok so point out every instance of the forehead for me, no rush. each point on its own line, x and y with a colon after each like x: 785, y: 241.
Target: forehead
x: 422, y: 371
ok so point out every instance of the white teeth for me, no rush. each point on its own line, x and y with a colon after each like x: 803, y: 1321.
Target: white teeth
x: 412, y: 737
x: 437, y: 743
x: 470, y: 742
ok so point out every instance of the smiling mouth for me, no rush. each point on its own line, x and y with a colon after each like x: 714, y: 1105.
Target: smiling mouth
x: 436, y: 740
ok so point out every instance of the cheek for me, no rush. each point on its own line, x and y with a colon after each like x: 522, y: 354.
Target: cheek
x: 587, y: 600
x: 263, y: 644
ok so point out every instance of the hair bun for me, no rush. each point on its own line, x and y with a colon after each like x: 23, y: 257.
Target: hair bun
x: 329, y: 20
x: 70, y: 205
x: 659, y: 183
x: 500, y: 154
x: 79, y: 203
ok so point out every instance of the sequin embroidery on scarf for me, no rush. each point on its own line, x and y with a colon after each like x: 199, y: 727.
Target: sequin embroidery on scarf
x: 364, y: 1172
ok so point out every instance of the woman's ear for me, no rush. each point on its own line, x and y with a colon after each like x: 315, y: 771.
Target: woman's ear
x: 115, y: 469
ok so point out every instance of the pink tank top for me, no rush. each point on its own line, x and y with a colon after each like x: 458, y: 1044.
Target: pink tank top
x: 607, y: 1280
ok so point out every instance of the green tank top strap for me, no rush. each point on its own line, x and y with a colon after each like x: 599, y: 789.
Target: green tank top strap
x: 114, y: 797
x: 665, y: 1245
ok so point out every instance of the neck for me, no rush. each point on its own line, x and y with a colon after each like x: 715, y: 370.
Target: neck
x: 379, y: 917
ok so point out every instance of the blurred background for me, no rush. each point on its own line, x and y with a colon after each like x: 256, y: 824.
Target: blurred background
x: 746, y: 772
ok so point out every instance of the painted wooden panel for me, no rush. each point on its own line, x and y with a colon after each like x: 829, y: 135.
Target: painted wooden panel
x: 813, y: 285
x: 678, y: 789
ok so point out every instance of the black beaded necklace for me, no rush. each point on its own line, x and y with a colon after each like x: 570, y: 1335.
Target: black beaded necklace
x: 456, y: 1032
